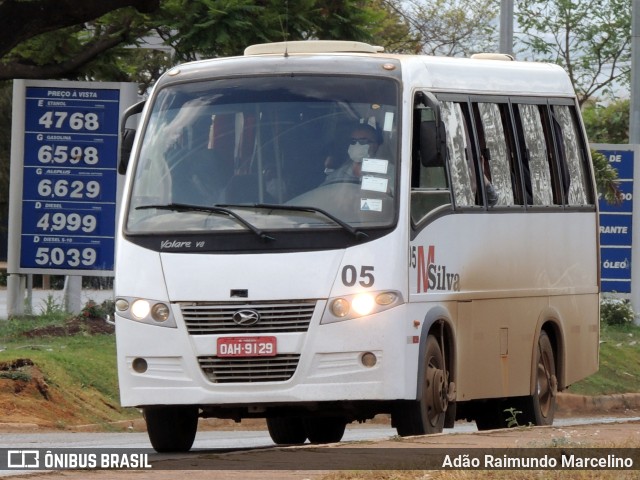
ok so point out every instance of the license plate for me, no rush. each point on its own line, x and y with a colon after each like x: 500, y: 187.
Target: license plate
x: 247, y: 347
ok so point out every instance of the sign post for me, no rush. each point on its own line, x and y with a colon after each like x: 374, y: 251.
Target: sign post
x: 64, y: 182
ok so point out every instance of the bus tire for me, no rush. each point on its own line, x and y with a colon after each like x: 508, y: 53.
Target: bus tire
x: 427, y: 415
x: 172, y: 428
x: 540, y: 408
x: 325, y: 429
x: 286, y: 430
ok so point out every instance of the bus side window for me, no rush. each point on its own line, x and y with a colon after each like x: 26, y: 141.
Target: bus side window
x: 534, y: 156
x: 496, y: 156
x: 572, y: 156
x: 459, y: 155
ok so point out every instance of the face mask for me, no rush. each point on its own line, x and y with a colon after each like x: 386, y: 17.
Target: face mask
x: 357, y: 152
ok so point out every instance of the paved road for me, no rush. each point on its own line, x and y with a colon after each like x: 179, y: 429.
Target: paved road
x: 241, y: 439
x: 225, y: 455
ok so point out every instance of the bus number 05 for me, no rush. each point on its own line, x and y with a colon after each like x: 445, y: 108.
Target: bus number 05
x: 350, y: 276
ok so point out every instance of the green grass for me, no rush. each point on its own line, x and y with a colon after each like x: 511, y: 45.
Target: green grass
x: 82, y: 367
x: 86, y: 361
x: 619, y: 370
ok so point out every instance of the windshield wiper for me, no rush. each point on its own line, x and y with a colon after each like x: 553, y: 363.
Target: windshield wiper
x: 182, y: 207
x: 359, y: 234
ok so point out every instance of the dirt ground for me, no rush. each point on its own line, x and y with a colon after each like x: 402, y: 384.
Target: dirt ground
x: 29, y: 401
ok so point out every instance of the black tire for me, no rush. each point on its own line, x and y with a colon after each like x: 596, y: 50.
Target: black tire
x: 286, y: 430
x: 171, y: 429
x: 540, y: 408
x: 325, y: 429
x: 427, y: 415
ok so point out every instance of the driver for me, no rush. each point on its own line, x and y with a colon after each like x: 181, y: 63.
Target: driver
x: 364, y: 143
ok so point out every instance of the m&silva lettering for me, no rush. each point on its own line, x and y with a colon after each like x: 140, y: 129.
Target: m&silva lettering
x: 434, y: 277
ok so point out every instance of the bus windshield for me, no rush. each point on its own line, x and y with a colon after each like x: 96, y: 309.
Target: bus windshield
x: 230, y: 154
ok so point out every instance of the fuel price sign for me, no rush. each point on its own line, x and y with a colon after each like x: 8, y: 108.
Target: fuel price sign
x: 69, y: 175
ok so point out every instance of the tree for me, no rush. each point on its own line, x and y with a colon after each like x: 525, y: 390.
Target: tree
x: 94, y: 41
x: 80, y: 40
x: 607, y: 183
x: 50, y: 38
x: 589, y: 38
x: 608, y: 123
x: 214, y: 28
x: 450, y: 27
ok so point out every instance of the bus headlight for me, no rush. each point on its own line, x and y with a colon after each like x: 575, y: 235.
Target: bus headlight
x: 140, y: 309
x: 152, y: 312
x: 360, y: 305
x: 340, y: 307
x: 363, y: 304
x: 160, y: 312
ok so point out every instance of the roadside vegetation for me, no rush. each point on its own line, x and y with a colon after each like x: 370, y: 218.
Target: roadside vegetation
x: 619, y: 352
x: 58, y: 370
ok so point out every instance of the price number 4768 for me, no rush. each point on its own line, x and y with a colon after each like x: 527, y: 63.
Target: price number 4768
x: 76, y: 121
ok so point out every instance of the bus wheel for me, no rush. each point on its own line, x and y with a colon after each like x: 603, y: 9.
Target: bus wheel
x: 325, y: 429
x: 427, y: 415
x: 171, y: 429
x: 286, y: 430
x: 540, y: 408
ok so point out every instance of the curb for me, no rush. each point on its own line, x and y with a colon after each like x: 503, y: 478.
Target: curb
x: 571, y: 404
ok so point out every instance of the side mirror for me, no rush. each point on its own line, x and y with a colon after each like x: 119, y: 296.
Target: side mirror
x: 431, y: 132
x: 127, y: 136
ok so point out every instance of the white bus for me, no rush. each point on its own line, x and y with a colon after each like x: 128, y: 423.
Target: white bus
x: 316, y: 233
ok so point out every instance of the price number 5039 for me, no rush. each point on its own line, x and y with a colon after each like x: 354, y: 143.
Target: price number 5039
x: 72, y: 257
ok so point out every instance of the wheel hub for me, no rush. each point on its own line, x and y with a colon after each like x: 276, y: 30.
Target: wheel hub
x: 438, y: 399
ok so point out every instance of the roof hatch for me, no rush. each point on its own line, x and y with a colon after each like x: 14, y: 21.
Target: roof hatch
x: 312, y: 46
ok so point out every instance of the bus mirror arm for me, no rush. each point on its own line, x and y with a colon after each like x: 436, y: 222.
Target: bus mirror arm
x: 127, y: 136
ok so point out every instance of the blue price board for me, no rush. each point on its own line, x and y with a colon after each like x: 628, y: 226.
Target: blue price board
x: 616, y: 269
x: 626, y: 206
x: 69, y: 178
x: 615, y: 230
x: 621, y: 160
x: 616, y: 225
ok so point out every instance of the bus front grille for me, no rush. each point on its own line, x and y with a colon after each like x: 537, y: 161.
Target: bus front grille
x: 207, y: 318
x: 249, y: 370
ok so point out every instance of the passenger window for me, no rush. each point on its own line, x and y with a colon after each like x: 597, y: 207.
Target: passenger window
x: 495, y: 155
x: 572, y: 156
x: 535, y: 157
x: 459, y: 155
